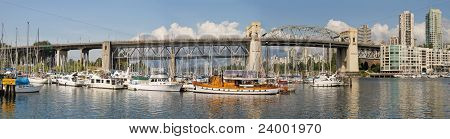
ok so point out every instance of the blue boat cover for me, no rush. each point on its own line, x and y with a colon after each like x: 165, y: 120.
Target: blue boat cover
x: 22, y: 81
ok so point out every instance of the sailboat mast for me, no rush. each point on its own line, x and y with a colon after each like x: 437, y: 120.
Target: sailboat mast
x: 323, y: 56
x: 17, y: 53
x: 28, y: 44
x: 1, y: 41
x: 329, y: 57
x: 37, y: 50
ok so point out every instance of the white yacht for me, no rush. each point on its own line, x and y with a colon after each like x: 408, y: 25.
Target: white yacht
x: 70, y: 80
x: 188, y: 87
x: 105, y: 83
x: 157, y: 82
x: 123, y: 76
x: 38, y: 80
x: 327, y: 81
x: 399, y: 76
x: 446, y: 76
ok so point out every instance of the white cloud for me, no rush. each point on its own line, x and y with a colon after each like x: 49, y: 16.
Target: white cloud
x: 382, y: 32
x: 419, y: 33
x: 224, y: 28
x: 159, y: 33
x: 337, y: 26
x: 206, y: 28
x: 446, y: 30
x: 177, y: 30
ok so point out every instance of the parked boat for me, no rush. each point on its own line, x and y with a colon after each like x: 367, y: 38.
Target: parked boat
x: 188, y: 87
x: 71, y: 80
x: 23, y: 85
x: 123, y: 76
x: 447, y: 76
x: 157, y: 82
x: 236, y: 82
x: 309, y: 80
x: 38, y: 80
x: 327, y: 81
x: 105, y: 83
x: 399, y: 76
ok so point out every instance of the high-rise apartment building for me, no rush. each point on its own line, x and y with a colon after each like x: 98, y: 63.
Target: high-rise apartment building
x: 406, y: 29
x: 433, y: 29
x: 364, y: 34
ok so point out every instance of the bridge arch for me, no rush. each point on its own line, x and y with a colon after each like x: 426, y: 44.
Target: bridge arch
x: 302, y: 32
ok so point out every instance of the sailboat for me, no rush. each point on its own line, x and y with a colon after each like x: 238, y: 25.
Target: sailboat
x: 23, y: 85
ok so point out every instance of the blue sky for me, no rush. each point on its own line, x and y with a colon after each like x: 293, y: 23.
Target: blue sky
x: 60, y: 20
x: 130, y: 17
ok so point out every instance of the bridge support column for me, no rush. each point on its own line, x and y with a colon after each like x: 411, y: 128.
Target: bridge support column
x: 173, y: 63
x: 255, y: 52
x: 347, y: 58
x: 61, y: 57
x: 84, y: 57
x: 106, y: 56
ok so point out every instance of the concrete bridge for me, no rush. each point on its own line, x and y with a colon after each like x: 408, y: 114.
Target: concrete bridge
x: 250, y: 46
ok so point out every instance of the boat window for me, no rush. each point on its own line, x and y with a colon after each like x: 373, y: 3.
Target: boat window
x: 113, y: 82
x: 92, y: 81
x: 98, y: 81
x: 108, y: 81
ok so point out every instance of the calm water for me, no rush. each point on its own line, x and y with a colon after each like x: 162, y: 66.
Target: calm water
x: 367, y: 98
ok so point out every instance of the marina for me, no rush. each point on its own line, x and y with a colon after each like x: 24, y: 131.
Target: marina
x: 367, y: 98
x: 268, y: 66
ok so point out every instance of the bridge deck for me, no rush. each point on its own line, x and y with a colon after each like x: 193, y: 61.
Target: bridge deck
x: 201, y: 42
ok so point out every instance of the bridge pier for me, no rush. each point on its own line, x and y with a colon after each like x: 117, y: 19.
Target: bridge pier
x: 347, y: 58
x: 173, y: 63
x: 106, y: 56
x: 84, y: 57
x: 255, y: 52
x: 61, y: 57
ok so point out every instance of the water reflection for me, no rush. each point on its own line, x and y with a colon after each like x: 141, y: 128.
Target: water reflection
x: 7, y: 101
x: 366, y: 98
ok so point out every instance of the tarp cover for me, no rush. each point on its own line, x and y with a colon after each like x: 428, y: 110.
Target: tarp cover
x: 22, y: 81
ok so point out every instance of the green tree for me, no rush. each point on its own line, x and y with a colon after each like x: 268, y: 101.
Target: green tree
x: 42, y: 43
x: 375, y: 68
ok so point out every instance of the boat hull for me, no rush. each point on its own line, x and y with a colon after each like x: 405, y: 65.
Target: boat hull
x: 38, y: 81
x: 28, y: 88
x: 69, y: 83
x: 165, y: 88
x: 106, y: 86
x: 207, y: 90
x: 327, y: 84
x: 188, y: 87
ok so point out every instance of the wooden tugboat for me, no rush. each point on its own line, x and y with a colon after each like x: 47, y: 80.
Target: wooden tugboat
x: 236, y: 82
